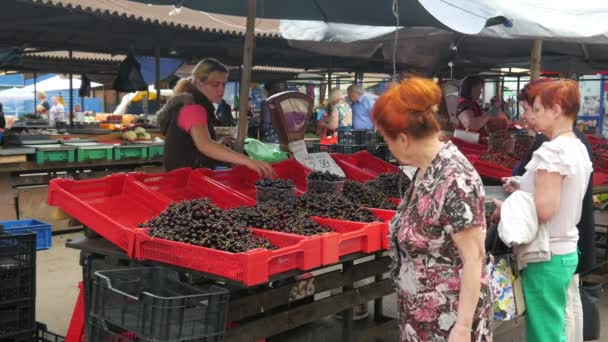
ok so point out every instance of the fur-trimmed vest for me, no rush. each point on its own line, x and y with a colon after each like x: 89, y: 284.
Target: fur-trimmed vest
x: 180, y: 150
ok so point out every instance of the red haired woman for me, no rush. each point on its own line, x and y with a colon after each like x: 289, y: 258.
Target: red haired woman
x: 437, y: 237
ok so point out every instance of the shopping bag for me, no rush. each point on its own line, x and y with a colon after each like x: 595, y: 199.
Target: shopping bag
x: 467, y: 136
x: 259, y: 151
x: 329, y: 139
x: 506, y: 287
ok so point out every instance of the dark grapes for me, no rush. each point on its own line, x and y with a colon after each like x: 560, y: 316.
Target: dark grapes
x: 325, y: 176
x: 199, y: 222
x: 366, y: 196
x: 392, y: 185
x: 274, y: 216
x: 276, y: 183
x: 331, y: 205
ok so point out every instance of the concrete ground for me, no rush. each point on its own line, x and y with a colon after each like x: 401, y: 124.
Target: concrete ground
x: 58, y: 274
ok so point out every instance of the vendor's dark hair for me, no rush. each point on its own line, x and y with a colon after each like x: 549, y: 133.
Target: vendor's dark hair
x: 468, y: 83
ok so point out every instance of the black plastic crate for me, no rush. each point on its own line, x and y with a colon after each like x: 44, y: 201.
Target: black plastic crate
x: 17, y: 267
x: 44, y: 335
x: 349, y: 149
x: 375, y: 138
x: 322, y: 148
x: 16, y: 319
x: 100, y: 331
x: 380, y: 151
x: 152, y: 303
x: 354, y: 136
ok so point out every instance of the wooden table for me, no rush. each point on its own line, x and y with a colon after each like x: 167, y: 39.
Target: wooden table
x: 286, y: 302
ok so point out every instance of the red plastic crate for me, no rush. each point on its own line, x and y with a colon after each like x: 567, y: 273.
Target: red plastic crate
x: 368, y: 163
x: 185, y: 184
x: 242, y: 179
x: 477, y: 148
x: 593, y: 140
x: 387, y: 216
x: 352, y: 237
x: 251, y: 268
x: 352, y: 172
x: 490, y: 170
x: 112, y: 206
x: 76, y: 327
x: 600, y: 178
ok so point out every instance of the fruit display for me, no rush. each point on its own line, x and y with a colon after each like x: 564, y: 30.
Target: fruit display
x: 275, y: 190
x: 139, y: 133
x: 332, y: 205
x: 274, y: 216
x: 321, y: 182
x: 325, y: 176
x: 523, y: 143
x: 499, y: 159
x: 366, y: 196
x: 392, y: 185
x: 501, y: 141
x: 199, y: 222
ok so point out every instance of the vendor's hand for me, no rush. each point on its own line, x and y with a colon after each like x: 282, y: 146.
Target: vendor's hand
x: 496, y: 213
x: 227, y: 141
x: 509, y: 184
x: 261, y: 168
x: 460, y: 333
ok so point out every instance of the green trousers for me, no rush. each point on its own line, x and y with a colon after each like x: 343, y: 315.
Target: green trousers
x: 545, y: 287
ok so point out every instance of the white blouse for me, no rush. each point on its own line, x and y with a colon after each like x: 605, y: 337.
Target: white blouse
x: 569, y: 157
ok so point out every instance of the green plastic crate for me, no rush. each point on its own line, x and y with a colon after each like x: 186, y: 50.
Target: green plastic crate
x: 66, y: 156
x: 92, y: 153
x: 156, y: 151
x: 130, y: 152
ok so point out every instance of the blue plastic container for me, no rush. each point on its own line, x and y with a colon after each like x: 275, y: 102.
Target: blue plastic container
x: 44, y: 238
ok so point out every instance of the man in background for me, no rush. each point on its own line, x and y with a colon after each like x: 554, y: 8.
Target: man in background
x: 362, y: 104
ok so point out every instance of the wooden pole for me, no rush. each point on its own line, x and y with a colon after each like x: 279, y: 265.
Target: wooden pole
x: 246, y: 75
x: 71, y: 94
x: 35, y: 92
x: 157, y: 83
x: 537, y: 47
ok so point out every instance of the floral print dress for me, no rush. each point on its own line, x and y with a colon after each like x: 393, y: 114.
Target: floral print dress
x: 446, y: 199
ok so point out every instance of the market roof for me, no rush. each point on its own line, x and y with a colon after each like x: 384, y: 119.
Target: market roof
x: 184, y: 18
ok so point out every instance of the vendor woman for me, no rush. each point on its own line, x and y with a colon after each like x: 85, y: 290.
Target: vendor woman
x: 469, y: 114
x: 187, y: 122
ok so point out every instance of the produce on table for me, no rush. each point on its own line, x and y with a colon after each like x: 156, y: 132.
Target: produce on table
x: 275, y: 190
x: 199, y: 222
x: 274, y: 216
x: 523, y: 143
x: 499, y: 159
x: 392, y: 185
x: 324, y: 176
x: 276, y: 183
x: 332, y: 205
x: 139, y: 133
x: 501, y: 141
x: 366, y: 196
x: 129, y: 135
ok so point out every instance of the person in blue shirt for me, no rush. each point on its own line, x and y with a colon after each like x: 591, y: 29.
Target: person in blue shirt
x: 362, y: 104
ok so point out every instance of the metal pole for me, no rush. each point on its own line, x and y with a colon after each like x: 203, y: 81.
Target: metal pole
x: 35, y: 91
x: 246, y: 75
x: 517, y: 92
x: 71, y: 94
x: 157, y: 83
x: 537, y: 47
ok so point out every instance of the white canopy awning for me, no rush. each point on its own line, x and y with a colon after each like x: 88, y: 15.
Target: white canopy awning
x: 59, y: 83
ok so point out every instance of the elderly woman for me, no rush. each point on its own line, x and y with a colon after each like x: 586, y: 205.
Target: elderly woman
x: 340, y: 116
x: 558, y: 176
x: 437, y: 237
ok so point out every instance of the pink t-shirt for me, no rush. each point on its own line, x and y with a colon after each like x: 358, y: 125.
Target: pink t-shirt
x: 191, y: 115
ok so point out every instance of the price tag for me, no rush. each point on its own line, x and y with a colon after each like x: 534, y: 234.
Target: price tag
x: 299, y: 150
x: 321, y: 162
x: 409, y: 171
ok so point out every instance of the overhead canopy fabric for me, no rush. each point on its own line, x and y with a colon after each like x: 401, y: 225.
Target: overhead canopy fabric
x: 58, y: 83
x: 463, y: 16
x: 16, y: 94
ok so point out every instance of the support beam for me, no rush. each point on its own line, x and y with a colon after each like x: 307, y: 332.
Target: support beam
x: 157, y: 83
x: 71, y: 59
x: 585, y: 52
x: 246, y: 75
x: 537, y: 47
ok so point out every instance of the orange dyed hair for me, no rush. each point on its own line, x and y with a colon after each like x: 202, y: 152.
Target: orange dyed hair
x: 563, y: 92
x: 408, y: 108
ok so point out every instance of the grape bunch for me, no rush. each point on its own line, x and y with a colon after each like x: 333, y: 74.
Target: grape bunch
x: 332, y: 205
x: 273, y: 216
x: 392, y: 185
x: 275, y: 183
x: 325, y: 176
x: 366, y: 196
x: 199, y: 222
